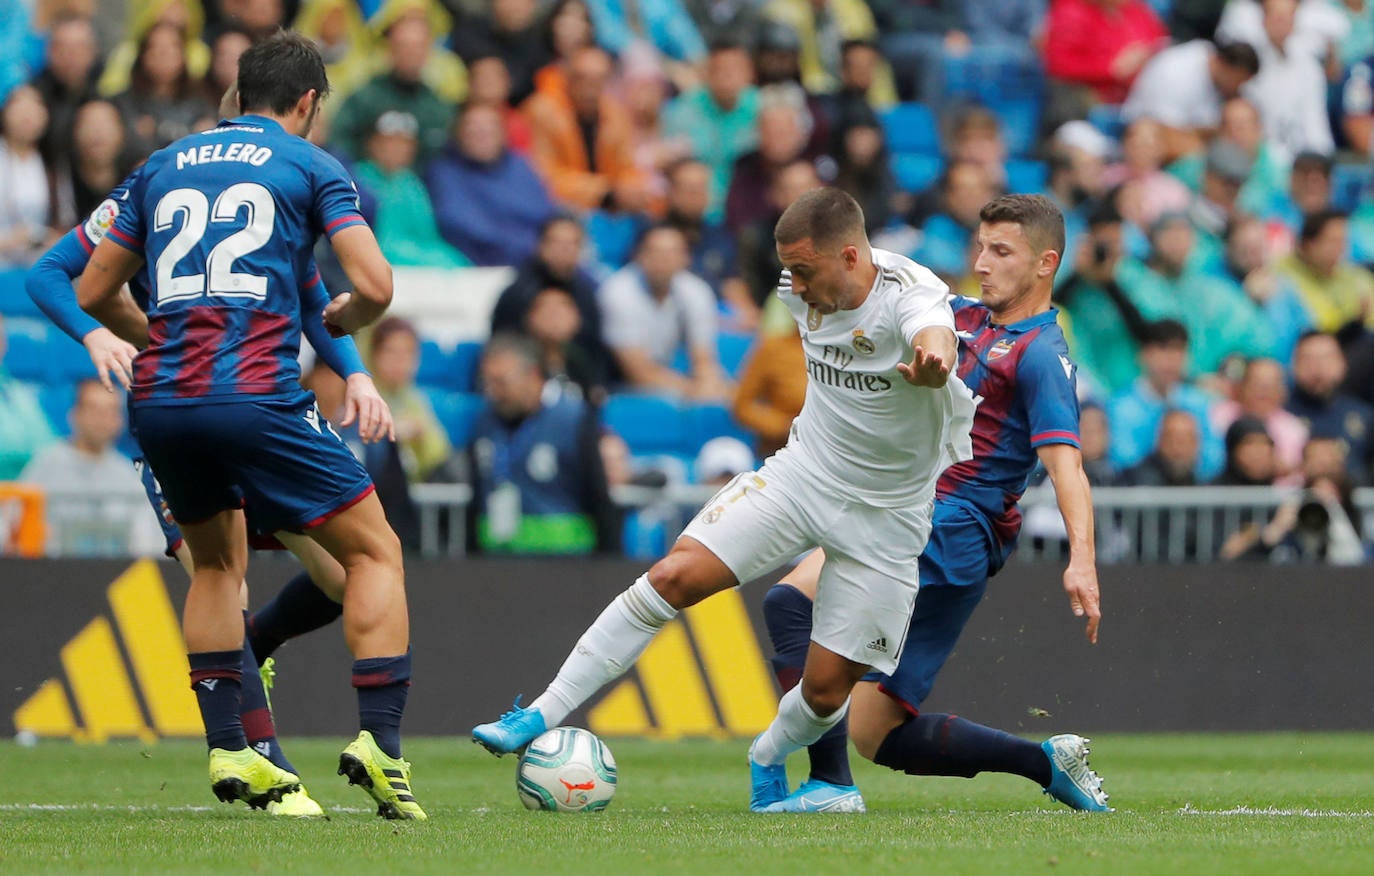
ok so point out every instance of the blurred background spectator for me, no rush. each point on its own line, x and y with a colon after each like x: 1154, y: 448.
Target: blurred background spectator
x: 24, y: 428
x: 96, y: 504
x: 488, y: 201
x: 538, y: 481
x: 771, y: 389
x: 404, y: 222
x: 1211, y: 159
x: 395, y: 359
x: 26, y: 207
x: 654, y: 311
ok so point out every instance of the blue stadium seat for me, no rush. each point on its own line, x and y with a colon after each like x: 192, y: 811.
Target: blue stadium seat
x: 733, y: 348
x: 56, y: 400
x: 1349, y: 184
x: 69, y: 360
x: 464, y: 363
x: 1106, y: 117
x: 457, y: 412
x: 454, y: 370
x: 14, y: 301
x: 1027, y: 177
x: 648, y: 423
x: 1020, y: 123
x: 434, y: 365
x: 613, y: 236
x: 916, y: 171
x: 707, y: 421
x: 28, y: 356
x: 911, y: 127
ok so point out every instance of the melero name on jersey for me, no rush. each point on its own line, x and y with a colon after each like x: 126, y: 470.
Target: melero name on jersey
x: 247, y: 153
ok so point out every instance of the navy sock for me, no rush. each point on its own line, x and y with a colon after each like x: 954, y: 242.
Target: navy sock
x: 216, y: 679
x: 947, y: 745
x: 787, y: 612
x: 297, y: 609
x: 258, y: 726
x: 382, y: 683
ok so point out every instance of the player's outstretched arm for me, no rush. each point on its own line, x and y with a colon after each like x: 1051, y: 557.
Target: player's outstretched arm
x: 369, y: 272
x: 49, y: 285
x: 934, y: 352
x: 1064, y: 462
x: 101, y: 292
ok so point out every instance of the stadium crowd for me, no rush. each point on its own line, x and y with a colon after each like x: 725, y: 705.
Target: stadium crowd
x: 628, y: 159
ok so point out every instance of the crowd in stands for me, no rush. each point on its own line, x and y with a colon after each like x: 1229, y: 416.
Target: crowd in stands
x: 628, y: 159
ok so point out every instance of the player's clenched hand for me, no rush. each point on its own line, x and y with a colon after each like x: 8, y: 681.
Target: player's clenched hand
x: 1080, y: 582
x: 339, y: 319
x: 365, y: 406
x: 111, y: 356
x: 925, y: 369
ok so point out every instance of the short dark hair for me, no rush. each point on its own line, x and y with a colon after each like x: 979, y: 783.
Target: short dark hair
x: 1164, y: 333
x: 1239, y: 54
x: 653, y: 228
x: 1040, y: 219
x: 388, y: 328
x: 728, y: 43
x: 275, y: 73
x: 858, y: 43
x: 523, y: 347
x: 1314, y: 223
x: 558, y: 217
x: 1309, y: 160
x: 826, y: 215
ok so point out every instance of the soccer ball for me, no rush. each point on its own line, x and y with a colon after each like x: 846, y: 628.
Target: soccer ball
x: 566, y: 769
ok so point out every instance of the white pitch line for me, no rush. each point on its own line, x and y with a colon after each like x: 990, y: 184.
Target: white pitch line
x: 1274, y: 811
x: 139, y: 809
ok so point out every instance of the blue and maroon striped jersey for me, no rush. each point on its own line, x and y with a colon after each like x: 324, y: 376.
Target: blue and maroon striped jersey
x: 226, y: 221
x: 1026, y: 385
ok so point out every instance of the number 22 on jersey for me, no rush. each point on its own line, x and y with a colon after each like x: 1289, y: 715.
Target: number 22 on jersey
x: 196, y: 214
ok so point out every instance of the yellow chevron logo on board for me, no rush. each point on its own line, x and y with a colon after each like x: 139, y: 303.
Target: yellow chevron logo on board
x: 719, y: 688
x: 98, y: 697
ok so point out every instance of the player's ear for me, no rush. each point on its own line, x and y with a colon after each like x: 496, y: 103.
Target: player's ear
x: 1049, y: 263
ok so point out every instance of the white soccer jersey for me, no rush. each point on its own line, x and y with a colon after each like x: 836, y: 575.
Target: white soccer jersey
x: 867, y: 432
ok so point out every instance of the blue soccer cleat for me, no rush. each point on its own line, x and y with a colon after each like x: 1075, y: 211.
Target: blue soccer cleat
x: 817, y: 796
x: 769, y: 783
x: 516, y: 729
x: 1072, y: 781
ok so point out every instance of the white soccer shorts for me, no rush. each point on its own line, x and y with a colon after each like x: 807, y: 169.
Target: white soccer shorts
x: 763, y: 519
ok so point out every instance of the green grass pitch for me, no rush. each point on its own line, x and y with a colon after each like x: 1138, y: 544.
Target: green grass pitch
x: 1195, y: 804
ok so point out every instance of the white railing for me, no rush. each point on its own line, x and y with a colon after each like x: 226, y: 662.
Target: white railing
x: 1134, y: 524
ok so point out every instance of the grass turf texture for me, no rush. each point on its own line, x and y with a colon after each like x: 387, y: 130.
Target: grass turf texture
x: 1274, y: 803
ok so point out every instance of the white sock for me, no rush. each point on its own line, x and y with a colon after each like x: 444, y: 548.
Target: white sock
x: 610, y: 646
x: 795, y: 727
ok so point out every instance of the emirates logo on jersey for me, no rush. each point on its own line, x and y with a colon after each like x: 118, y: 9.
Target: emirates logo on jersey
x: 1000, y: 349
x: 863, y: 345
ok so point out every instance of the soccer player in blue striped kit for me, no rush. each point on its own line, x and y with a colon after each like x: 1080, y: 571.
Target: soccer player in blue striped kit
x: 1012, y: 355
x: 227, y: 220
x: 311, y: 599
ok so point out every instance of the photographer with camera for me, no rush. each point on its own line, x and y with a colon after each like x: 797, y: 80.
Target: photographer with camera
x: 1108, y: 327
x: 1318, y: 525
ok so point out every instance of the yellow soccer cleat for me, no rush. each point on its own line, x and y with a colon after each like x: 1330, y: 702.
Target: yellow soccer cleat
x: 296, y: 804
x: 268, y: 673
x: 387, y: 779
x: 248, y: 776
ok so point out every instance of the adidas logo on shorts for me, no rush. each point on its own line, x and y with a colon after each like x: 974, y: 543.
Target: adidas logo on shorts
x: 879, y: 644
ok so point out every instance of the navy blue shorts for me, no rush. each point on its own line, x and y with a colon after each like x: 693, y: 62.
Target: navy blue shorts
x: 170, y: 530
x: 955, y: 569
x: 278, y: 457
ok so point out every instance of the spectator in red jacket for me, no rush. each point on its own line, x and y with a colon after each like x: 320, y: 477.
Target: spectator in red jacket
x: 1101, y: 44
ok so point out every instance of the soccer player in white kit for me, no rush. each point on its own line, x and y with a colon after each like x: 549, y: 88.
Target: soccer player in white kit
x: 884, y: 416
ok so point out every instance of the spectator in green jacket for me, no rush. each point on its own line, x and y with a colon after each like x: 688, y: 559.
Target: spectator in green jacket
x: 24, y: 428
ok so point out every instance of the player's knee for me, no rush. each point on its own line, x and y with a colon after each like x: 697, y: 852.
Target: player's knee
x: 824, y: 697
x: 684, y: 577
